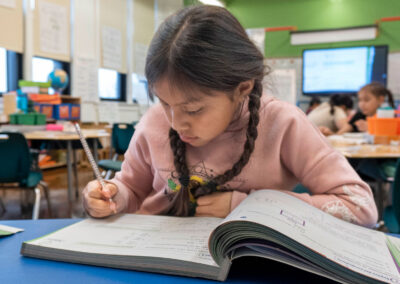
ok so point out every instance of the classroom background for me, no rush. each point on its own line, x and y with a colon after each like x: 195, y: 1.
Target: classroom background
x: 98, y: 49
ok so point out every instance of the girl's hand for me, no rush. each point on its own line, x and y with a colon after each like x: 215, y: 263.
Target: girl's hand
x: 361, y: 125
x: 325, y: 130
x: 217, y: 204
x: 96, y: 201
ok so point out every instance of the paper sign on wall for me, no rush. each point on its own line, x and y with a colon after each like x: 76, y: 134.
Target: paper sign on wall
x: 108, y: 112
x: 53, y: 28
x: 394, y: 74
x: 283, y: 84
x: 8, y: 3
x: 140, y: 58
x: 111, y: 44
x: 85, y: 83
x: 258, y: 37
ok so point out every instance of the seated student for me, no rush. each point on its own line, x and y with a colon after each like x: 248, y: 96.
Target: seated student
x: 370, y: 98
x: 215, y: 136
x: 330, y: 116
x: 314, y: 103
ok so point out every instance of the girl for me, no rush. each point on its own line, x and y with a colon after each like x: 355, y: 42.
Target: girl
x: 370, y: 98
x: 214, y: 138
x: 314, y: 103
x: 330, y: 117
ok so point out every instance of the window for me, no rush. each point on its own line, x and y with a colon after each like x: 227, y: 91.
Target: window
x: 111, y: 85
x: 41, y: 68
x: 3, y: 70
x: 10, y: 70
x: 139, y: 90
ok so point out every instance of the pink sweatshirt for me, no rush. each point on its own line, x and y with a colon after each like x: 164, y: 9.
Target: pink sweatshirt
x: 288, y: 150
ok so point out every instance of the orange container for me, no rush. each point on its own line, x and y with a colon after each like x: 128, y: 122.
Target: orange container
x: 386, y: 126
x: 371, y: 122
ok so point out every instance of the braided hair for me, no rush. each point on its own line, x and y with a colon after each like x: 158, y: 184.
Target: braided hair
x: 205, y: 47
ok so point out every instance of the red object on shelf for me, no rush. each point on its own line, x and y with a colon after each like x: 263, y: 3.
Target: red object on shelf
x: 278, y: 29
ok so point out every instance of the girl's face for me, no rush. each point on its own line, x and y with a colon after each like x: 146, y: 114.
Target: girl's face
x: 369, y: 103
x: 197, y: 122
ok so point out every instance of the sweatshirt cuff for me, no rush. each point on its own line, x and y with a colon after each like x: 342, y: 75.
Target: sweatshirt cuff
x: 237, y: 197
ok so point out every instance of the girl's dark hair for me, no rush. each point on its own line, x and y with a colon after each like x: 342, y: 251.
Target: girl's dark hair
x: 340, y: 100
x: 205, y: 47
x: 314, y: 101
x: 379, y: 90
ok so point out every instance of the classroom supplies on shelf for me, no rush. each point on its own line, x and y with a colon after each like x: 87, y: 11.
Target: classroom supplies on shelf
x: 45, y: 98
x: 32, y: 118
x: 57, y: 107
x: 26, y: 83
x: 268, y: 224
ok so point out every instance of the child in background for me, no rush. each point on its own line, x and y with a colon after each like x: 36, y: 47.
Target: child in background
x: 330, y: 117
x: 370, y: 98
x: 215, y: 137
x: 314, y: 103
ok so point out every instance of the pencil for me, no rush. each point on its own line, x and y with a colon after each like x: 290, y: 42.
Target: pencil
x: 91, y: 160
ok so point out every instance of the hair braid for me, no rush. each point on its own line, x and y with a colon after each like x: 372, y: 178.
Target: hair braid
x: 180, y: 203
x: 179, y: 151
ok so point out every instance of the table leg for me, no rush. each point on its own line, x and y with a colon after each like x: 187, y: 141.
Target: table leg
x: 75, y: 174
x: 69, y: 176
x: 69, y: 169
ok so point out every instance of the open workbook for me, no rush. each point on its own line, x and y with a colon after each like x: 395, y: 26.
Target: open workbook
x: 269, y: 224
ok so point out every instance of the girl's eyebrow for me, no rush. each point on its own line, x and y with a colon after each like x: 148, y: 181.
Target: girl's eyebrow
x: 186, y: 102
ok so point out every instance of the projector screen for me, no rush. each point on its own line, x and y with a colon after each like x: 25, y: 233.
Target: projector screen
x: 343, y: 70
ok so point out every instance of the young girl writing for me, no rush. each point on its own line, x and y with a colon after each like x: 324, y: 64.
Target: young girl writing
x: 214, y: 137
x: 370, y: 98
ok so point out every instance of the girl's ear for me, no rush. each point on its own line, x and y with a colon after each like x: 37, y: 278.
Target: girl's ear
x: 244, y: 89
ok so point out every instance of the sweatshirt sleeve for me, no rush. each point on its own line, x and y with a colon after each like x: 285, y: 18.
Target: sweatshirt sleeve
x: 134, y: 181
x: 334, y: 185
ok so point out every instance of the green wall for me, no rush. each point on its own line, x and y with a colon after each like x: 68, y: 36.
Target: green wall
x: 314, y: 15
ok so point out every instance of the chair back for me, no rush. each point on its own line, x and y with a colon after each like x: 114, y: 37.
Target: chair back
x: 15, y: 159
x: 121, y: 136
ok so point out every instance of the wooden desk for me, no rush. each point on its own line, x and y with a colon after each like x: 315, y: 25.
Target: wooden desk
x: 68, y: 137
x: 368, y: 151
x: 356, y: 148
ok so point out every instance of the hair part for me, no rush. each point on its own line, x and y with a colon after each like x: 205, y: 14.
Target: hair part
x: 205, y: 47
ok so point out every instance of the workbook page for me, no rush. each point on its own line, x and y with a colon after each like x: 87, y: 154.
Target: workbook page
x: 138, y: 235
x: 357, y: 248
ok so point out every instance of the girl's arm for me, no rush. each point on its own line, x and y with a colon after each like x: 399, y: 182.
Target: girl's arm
x: 345, y: 128
x: 134, y: 181
x: 334, y: 185
x: 341, y: 123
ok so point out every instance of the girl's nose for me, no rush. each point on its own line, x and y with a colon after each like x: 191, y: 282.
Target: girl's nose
x: 178, y: 122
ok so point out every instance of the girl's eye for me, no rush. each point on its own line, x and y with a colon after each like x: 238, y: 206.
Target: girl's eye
x: 193, y: 112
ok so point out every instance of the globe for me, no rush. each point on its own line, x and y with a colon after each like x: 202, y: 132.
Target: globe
x: 58, y: 80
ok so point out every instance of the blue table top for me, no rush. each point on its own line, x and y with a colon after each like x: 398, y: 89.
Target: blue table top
x: 15, y: 268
